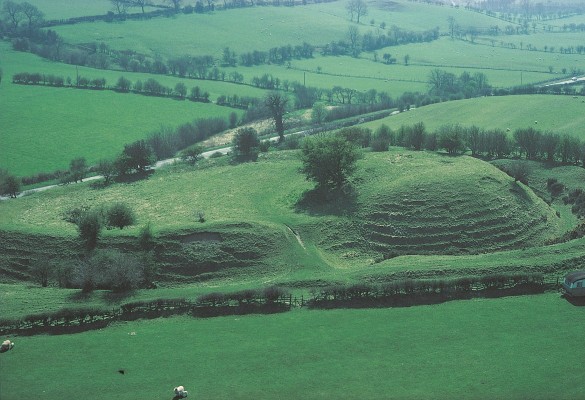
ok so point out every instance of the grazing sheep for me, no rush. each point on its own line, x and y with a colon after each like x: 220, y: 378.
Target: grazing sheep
x: 6, y: 345
x: 180, y: 392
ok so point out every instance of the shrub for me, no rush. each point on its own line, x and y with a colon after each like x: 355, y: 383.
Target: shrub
x: 359, y: 136
x: 74, y: 215
x: 109, y: 269
x: 273, y: 293
x: 120, y: 215
x: 246, y: 145
x: 89, y: 226
x: 146, y: 238
x: 213, y: 299
x: 382, y: 139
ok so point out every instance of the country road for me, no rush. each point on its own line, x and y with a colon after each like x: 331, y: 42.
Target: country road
x: 158, y: 164
x: 207, y: 154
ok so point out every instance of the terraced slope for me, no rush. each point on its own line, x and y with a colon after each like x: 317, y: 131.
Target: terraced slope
x: 425, y: 203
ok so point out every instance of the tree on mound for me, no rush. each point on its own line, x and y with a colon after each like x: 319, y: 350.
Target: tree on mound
x: 329, y: 161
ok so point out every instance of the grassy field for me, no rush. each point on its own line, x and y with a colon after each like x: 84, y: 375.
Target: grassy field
x: 559, y: 114
x: 509, y: 348
x: 94, y: 124
x: 59, y: 9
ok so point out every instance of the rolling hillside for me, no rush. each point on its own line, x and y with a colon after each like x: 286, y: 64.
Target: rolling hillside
x: 401, y: 202
x: 559, y: 114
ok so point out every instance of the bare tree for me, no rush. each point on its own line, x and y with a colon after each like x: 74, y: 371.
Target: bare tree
x: 353, y: 36
x: 276, y: 103
x: 141, y: 4
x: 33, y: 14
x: 12, y: 13
x: 357, y: 8
x: 120, y: 6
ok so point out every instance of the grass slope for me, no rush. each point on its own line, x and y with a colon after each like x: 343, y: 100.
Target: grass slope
x: 559, y: 114
x: 37, y: 121
x: 509, y: 348
x: 399, y: 206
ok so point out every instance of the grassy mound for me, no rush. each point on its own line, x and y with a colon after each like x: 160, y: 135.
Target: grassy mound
x: 425, y: 203
x: 265, y: 216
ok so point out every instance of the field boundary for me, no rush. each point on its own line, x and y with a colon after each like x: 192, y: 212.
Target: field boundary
x: 273, y: 300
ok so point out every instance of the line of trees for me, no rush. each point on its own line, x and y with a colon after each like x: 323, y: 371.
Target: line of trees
x: 354, y: 43
x: 529, y: 142
x: 442, y: 288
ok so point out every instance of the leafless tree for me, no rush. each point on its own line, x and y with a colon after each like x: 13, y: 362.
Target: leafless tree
x: 175, y: 3
x: 120, y: 6
x: 276, y: 103
x: 33, y: 14
x: 12, y: 13
x: 357, y: 8
x: 141, y: 4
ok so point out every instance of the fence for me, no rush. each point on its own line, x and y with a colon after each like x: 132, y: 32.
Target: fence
x: 271, y: 300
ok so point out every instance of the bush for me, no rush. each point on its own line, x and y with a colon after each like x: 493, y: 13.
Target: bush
x: 89, y: 226
x: 273, y: 293
x: 246, y: 145
x: 382, y: 139
x: 109, y: 269
x: 213, y: 299
x: 120, y: 215
x: 146, y: 238
x: 359, y: 136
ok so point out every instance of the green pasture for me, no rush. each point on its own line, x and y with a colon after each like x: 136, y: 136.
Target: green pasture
x: 539, y: 41
x: 60, y: 9
x: 260, y: 28
x: 508, y: 348
x: 243, y: 30
x: 44, y: 128
x: 559, y: 114
x: 13, y: 62
x: 95, y: 124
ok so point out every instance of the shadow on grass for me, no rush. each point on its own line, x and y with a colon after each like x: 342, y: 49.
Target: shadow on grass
x: 576, y: 301
x: 325, y: 201
x: 80, y: 296
x: 135, y: 177
x: 116, y: 297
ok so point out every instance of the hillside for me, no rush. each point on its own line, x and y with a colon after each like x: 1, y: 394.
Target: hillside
x: 559, y: 114
x: 401, y: 202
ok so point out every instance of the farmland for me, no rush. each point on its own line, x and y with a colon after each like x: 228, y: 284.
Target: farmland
x: 414, y: 211
x: 501, y: 348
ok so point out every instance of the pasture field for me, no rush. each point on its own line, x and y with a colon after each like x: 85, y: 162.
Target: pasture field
x: 260, y: 28
x: 60, y: 9
x: 13, y: 62
x: 82, y: 123
x: 507, y: 348
x: 95, y: 124
x: 559, y: 114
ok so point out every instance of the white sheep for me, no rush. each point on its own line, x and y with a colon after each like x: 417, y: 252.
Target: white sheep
x: 180, y: 392
x: 6, y: 345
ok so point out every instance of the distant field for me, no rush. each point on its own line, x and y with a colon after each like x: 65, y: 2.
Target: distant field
x: 82, y: 123
x: 559, y: 114
x: 260, y: 28
x: 509, y: 348
x: 60, y: 9
x: 94, y: 124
